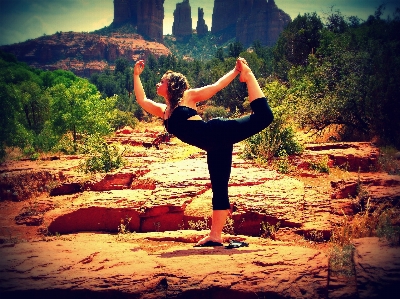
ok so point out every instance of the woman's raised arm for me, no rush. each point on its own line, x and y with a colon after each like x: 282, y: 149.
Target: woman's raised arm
x: 204, y: 93
x: 150, y: 106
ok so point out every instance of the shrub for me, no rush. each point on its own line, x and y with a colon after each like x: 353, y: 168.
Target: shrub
x: 320, y: 165
x: 101, y: 157
x: 385, y: 228
x: 122, y: 119
x: 282, y: 163
x: 214, y: 112
x: 277, y: 138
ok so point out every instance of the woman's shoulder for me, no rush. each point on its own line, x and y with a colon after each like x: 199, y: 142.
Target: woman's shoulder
x: 188, y: 99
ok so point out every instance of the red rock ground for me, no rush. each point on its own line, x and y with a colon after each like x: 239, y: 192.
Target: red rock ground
x: 59, y: 227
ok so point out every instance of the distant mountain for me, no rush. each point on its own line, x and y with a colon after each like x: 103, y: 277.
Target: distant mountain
x: 84, y: 53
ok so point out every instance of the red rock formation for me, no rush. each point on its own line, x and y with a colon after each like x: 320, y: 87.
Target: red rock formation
x: 83, y: 53
x: 202, y: 27
x: 147, y: 15
x: 125, y: 11
x: 182, y: 26
x: 248, y: 21
x: 224, y: 18
x: 263, y: 21
x: 150, y: 18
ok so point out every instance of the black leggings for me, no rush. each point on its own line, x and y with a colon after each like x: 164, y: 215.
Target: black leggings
x: 223, y: 133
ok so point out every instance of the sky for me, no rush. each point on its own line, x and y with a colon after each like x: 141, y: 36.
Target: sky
x: 27, y: 19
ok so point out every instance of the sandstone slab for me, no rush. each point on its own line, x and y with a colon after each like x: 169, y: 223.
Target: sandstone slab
x: 377, y: 267
x: 97, y: 265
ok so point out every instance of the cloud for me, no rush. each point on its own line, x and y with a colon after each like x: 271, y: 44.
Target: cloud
x: 361, y: 8
x: 24, y: 19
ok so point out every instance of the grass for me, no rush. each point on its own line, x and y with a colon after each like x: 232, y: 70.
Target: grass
x: 268, y: 230
x: 389, y: 161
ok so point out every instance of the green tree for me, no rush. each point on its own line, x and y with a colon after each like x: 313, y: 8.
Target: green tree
x: 299, y: 39
x: 235, y: 49
x: 352, y: 81
x: 80, y: 110
x: 220, y: 54
x: 121, y: 64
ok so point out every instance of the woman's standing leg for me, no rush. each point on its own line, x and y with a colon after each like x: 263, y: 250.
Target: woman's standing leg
x: 219, y: 166
x: 219, y: 163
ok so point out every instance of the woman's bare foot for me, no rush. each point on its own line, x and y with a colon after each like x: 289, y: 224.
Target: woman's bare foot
x: 245, y: 74
x: 207, y: 239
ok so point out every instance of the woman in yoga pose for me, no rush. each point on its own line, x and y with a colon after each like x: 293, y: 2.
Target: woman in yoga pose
x: 216, y: 136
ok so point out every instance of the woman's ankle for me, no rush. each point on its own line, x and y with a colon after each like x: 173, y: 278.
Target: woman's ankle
x: 246, y: 75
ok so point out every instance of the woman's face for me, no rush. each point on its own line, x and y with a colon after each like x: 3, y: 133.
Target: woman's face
x: 162, y: 87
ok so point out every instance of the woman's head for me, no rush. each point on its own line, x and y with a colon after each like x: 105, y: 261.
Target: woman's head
x: 176, y: 86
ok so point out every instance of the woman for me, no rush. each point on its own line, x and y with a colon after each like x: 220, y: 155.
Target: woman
x: 216, y: 136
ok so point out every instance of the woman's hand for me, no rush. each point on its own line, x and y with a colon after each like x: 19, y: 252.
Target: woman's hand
x: 138, y: 68
x: 239, y: 64
x: 243, y: 67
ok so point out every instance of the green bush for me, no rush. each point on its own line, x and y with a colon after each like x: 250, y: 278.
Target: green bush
x: 122, y: 119
x: 385, y: 228
x: 214, y: 112
x: 277, y: 138
x: 320, y: 165
x: 100, y: 156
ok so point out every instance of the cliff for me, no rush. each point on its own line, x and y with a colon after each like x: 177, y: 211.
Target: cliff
x: 83, y: 53
x: 224, y: 18
x: 248, y: 21
x: 150, y: 18
x: 202, y: 27
x: 263, y: 21
x: 182, y: 26
x: 125, y: 11
x: 146, y: 15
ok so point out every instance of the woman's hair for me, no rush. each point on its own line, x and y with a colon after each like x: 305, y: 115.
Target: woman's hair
x: 177, y: 84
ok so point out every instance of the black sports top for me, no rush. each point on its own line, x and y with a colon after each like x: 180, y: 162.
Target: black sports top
x: 186, y: 130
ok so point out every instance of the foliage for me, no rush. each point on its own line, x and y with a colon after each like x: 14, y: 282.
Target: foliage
x: 282, y: 163
x: 300, y: 38
x: 80, y: 110
x: 112, y: 29
x: 214, y: 112
x: 199, y: 48
x: 341, y: 259
x: 40, y: 107
x: 278, y: 139
x: 320, y: 165
x: 100, y: 156
x: 122, y: 119
x: 352, y: 80
x: 344, y: 72
x: 199, y: 224
x: 389, y: 160
x: 385, y: 228
x: 268, y: 230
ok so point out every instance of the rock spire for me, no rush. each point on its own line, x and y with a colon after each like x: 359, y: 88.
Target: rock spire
x: 202, y: 27
x: 248, y: 21
x: 182, y: 26
x: 146, y: 15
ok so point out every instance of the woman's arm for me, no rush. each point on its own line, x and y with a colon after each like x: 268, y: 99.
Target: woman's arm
x: 204, y: 93
x: 150, y: 106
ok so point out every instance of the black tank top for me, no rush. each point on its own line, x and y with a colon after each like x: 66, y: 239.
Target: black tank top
x: 178, y: 118
x: 189, y: 131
